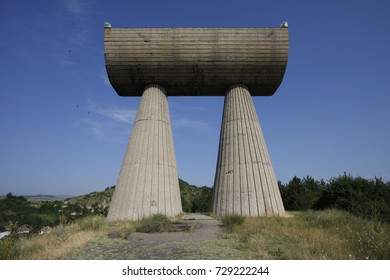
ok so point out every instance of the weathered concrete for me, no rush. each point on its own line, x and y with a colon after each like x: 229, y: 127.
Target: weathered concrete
x: 148, y: 181
x: 195, y: 61
x: 245, y: 182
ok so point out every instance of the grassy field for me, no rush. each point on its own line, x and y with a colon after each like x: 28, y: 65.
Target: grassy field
x: 317, y: 235
x: 313, y: 235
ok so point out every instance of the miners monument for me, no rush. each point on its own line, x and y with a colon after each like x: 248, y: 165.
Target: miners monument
x: 156, y: 63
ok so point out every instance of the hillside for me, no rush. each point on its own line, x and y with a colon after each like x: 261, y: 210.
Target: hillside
x: 95, y: 202
x: 45, y: 197
x: 37, y: 211
x: 195, y: 199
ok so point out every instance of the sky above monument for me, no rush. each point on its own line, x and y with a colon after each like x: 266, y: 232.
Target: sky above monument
x: 64, y: 130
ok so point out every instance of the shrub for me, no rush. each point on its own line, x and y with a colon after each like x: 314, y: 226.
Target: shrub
x: 232, y: 221
x: 9, y: 247
x: 155, y: 223
x: 61, y: 232
x: 91, y: 223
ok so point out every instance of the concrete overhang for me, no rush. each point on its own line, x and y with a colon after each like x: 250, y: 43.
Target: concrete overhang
x: 195, y: 61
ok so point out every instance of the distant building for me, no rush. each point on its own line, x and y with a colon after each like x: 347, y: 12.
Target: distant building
x: 24, y: 230
x: 45, y: 229
x: 4, y: 234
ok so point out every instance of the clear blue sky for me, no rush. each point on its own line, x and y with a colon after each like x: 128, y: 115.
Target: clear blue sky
x: 64, y: 130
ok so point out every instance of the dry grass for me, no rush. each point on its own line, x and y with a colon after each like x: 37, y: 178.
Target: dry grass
x: 65, y: 239
x: 50, y: 247
x: 314, y: 235
x: 60, y: 241
x: 311, y: 235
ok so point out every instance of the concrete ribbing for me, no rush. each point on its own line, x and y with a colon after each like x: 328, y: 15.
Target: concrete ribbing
x: 245, y: 181
x: 148, y: 180
x: 195, y: 61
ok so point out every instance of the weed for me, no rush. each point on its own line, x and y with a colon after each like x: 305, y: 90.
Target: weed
x: 61, y: 232
x: 63, y: 219
x: 94, y: 223
x: 232, y: 221
x: 155, y: 223
x: 123, y: 229
x: 278, y: 254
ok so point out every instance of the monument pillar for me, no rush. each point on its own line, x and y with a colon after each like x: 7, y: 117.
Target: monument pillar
x: 245, y: 181
x: 196, y: 62
x: 148, y: 180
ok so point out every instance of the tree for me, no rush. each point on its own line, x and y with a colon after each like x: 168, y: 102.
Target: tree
x: 301, y: 194
x: 362, y: 197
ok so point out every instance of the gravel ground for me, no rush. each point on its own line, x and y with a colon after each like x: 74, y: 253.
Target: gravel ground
x: 204, y: 242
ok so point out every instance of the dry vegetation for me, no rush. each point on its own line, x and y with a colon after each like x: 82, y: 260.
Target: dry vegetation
x: 329, y: 234
x: 64, y: 239
x: 313, y: 235
x: 56, y: 244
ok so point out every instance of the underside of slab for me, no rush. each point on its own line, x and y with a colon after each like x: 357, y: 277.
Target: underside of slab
x: 195, y: 61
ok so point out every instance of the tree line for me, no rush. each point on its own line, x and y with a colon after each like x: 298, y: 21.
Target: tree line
x: 367, y: 198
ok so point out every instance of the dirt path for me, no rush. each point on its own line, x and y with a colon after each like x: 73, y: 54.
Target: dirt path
x: 204, y: 242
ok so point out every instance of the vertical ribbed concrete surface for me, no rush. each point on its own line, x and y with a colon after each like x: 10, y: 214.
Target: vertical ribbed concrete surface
x: 245, y: 182
x: 148, y: 179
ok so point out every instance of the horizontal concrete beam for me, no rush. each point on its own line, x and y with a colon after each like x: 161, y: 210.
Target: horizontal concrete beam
x: 195, y: 61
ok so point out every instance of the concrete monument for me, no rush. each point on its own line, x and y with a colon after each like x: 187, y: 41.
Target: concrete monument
x: 155, y: 63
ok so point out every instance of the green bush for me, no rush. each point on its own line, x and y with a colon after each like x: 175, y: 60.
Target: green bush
x: 232, y: 221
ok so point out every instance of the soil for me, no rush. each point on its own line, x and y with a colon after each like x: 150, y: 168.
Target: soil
x: 205, y: 241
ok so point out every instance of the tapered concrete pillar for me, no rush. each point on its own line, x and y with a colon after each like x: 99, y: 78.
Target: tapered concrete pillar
x: 245, y: 182
x: 148, y: 180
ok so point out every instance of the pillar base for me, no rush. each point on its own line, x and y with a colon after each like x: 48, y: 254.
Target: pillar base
x: 148, y: 181
x: 245, y: 182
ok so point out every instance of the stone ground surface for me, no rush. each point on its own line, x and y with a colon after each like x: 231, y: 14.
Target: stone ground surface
x: 205, y: 241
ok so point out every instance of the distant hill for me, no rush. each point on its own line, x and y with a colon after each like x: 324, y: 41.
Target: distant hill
x: 40, y: 210
x: 194, y: 199
x: 93, y: 199
x: 45, y: 197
